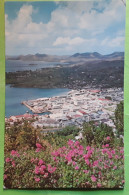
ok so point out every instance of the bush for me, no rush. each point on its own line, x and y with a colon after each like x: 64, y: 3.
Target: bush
x: 70, y: 166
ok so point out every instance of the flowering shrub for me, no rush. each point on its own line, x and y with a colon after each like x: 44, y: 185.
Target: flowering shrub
x: 70, y: 166
x: 89, y: 167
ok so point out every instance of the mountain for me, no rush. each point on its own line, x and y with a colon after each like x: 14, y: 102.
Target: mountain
x: 96, y: 55
x: 75, y: 58
x: 87, y: 55
x: 115, y: 55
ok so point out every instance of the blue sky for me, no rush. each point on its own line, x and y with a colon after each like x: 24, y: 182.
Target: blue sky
x: 64, y: 28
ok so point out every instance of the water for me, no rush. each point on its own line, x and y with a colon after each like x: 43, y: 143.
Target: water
x: 14, y: 97
x: 19, y: 65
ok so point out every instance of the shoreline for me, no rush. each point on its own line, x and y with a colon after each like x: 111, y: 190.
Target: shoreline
x: 14, y: 97
x: 75, y: 107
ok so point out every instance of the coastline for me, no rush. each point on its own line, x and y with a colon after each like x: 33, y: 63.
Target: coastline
x: 14, y: 97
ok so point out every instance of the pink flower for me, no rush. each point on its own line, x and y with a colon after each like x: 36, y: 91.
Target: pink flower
x: 104, y: 150
x: 88, y: 148
x: 121, y: 151
x: 108, y: 138
x: 38, y: 150
x: 51, y: 169
x: 14, y: 153
x: 95, y: 163
x: 37, y: 171
x: 74, y: 163
x: 13, y: 163
x: 76, y: 168
x: 115, y: 167
x: 41, y: 162
x: 80, y: 152
x: 56, y: 153
x: 123, y: 181
x: 70, y: 142
x: 116, y: 156
x: 93, y: 178
x: 77, y: 143
x: 54, y: 158
x: 68, y: 158
x: 34, y: 160
x: 99, y: 185
x: 43, y: 167
x: 38, y: 146
x: 37, y: 179
x: 87, y: 161
x: 86, y: 156
x: 81, y: 147
x: 100, y: 173
x: 8, y: 160
x: 110, y: 156
x: 90, y: 151
x: 106, y: 166
x: 113, y: 151
x: 85, y: 171
x: 5, y: 176
x: 107, y: 145
x: 45, y: 175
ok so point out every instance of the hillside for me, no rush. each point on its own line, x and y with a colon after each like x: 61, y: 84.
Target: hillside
x: 94, y: 74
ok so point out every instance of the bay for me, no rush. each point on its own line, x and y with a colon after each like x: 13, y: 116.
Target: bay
x: 19, y: 65
x: 14, y: 97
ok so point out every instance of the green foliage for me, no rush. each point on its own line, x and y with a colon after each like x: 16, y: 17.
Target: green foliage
x: 20, y: 136
x: 97, y: 134
x: 101, y: 132
x: 96, y: 161
x: 74, y: 166
x: 119, y: 119
x: 88, y: 132
x: 68, y: 131
x: 108, y: 98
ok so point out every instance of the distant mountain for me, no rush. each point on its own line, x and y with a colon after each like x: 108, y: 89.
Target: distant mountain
x: 77, y: 57
x: 96, y: 55
x: 87, y: 55
x: 115, y: 54
x: 35, y: 57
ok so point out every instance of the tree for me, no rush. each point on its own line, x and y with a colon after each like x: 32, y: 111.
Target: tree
x: 97, y: 134
x: 102, y: 132
x: 88, y: 132
x: 21, y: 136
x: 28, y: 135
x: 119, y: 119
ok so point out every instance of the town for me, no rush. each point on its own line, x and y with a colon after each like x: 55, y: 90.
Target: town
x: 73, y: 109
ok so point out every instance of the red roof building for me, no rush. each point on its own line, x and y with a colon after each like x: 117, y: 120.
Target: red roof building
x: 103, y: 99
x: 95, y: 91
x: 82, y: 112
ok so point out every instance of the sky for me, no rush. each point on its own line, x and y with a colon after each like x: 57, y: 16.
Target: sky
x: 64, y: 28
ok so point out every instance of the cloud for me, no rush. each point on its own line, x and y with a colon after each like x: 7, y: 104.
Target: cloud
x: 73, y: 26
x: 97, y: 20
x: 115, y: 42
x: 68, y: 41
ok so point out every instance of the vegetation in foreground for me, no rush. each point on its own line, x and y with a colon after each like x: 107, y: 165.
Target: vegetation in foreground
x: 57, y: 160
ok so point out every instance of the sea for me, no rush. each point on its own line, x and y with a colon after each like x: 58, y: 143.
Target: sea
x: 15, y: 95
x: 19, y: 65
